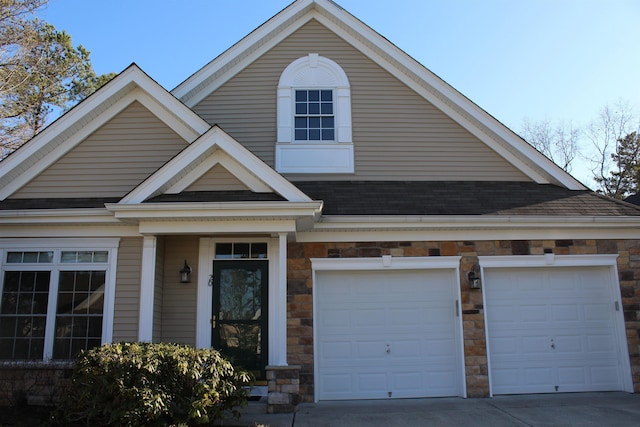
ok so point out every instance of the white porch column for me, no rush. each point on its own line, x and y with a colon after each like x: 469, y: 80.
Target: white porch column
x: 147, y: 288
x: 278, y: 306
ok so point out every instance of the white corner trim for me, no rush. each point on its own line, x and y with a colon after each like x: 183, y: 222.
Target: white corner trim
x: 385, y: 263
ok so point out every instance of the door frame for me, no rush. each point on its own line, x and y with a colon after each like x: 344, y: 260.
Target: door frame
x: 387, y: 262
x: 277, y: 293
x: 551, y: 260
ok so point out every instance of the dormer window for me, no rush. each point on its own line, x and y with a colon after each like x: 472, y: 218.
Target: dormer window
x: 314, y: 118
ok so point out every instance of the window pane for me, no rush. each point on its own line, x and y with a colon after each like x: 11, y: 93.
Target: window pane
x: 314, y: 134
x: 45, y: 257
x: 66, y: 281
x: 327, y: 122
x: 101, y: 256
x: 98, y: 279
x: 8, y: 326
x: 328, y: 135
x: 30, y: 257
x: 301, y: 122
x: 40, y: 301
x: 61, y: 348
x: 327, y: 95
x: 95, y: 327
x: 69, y: 256
x: 301, y: 95
x: 27, y: 281
x: 258, y: 250
x: 85, y: 256
x: 36, y: 350
x: 65, y: 302
x: 14, y: 257
x: 314, y: 95
x: 301, y: 135
x: 314, y: 108
x: 301, y: 108
x: 327, y: 108
x: 224, y: 250
x: 6, y: 349
x: 9, y: 302
x: 241, y: 250
x: 82, y: 281
x: 21, y: 349
x: 314, y: 122
x: 11, y: 281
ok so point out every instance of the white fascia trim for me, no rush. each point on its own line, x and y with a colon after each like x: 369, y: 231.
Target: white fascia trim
x: 263, y: 226
x: 140, y: 88
x: 385, y: 262
x: 258, y: 41
x: 212, y: 210
x: 203, y: 147
x: 548, y: 260
x: 67, y: 230
x: 357, y: 222
x: 57, y: 216
x: 385, y: 54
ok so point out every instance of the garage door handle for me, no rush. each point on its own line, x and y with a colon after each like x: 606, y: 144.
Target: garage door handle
x: 388, y: 349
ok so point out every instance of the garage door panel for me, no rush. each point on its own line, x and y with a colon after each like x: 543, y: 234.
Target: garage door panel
x: 562, y: 335
x: 400, y: 328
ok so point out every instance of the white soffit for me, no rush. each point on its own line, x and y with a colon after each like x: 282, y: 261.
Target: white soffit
x: 73, y: 127
x: 214, y: 147
x: 477, y: 121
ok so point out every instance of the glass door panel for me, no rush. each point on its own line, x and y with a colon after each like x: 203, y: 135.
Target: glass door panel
x: 240, y: 313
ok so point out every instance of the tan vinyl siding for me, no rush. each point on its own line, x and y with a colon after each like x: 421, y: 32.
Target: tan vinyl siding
x: 127, y: 300
x: 397, y: 134
x: 111, y: 161
x: 179, y: 299
x: 217, y: 179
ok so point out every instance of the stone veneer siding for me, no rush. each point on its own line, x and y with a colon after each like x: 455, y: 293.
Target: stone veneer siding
x: 300, y: 303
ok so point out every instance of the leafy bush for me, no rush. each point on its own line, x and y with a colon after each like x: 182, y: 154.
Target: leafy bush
x: 136, y: 384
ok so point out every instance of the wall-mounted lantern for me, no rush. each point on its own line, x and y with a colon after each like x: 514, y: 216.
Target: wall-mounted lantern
x: 474, y: 278
x: 185, y: 273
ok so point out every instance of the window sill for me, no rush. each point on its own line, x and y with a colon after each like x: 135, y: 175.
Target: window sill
x: 314, y: 158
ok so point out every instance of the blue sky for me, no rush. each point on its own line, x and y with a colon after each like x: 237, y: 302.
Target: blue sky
x: 538, y: 59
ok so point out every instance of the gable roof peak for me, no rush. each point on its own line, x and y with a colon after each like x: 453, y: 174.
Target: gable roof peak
x: 214, y: 147
x: 69, y: 130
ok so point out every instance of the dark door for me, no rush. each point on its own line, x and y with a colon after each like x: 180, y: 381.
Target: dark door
x: 240, y: 313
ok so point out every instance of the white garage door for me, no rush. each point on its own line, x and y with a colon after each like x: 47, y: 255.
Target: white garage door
x: 552, y: 329
x: 387, y: 334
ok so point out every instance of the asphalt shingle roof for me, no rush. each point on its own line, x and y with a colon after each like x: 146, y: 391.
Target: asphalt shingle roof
x: 397, y: 198
x: 459, y: 198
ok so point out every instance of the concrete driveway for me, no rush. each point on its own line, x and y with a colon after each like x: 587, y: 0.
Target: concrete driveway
x: 577, y: 409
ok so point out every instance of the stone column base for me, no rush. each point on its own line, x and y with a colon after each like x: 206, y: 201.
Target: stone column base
x: 284, y: 388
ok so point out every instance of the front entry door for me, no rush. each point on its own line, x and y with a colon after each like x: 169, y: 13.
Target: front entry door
x: 239, y: 319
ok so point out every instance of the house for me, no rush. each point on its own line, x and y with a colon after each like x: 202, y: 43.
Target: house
x: 329, y: 213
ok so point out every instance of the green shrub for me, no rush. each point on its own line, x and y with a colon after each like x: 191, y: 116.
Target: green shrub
x: 136, y: 384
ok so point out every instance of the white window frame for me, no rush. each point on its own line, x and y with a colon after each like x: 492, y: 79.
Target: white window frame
x: 57, y: 246
x: 307, y: 73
